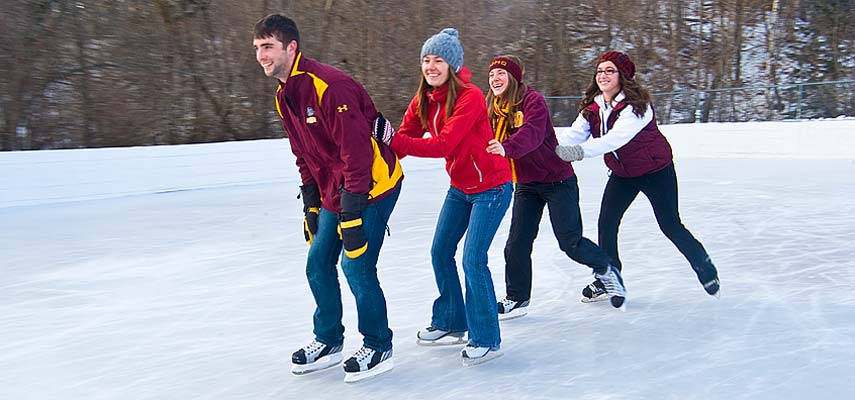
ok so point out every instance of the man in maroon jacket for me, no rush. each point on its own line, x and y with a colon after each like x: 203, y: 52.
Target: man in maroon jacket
x: 350, y: 184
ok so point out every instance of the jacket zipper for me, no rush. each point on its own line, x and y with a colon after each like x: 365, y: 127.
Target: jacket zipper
x: 435, y: 116
x: 480, y: 175
x: 603, y: 131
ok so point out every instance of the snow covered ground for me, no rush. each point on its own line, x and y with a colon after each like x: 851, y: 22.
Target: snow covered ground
x: 178, y: 273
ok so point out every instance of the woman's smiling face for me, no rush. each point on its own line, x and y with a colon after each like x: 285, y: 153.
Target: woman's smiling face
x: 435, y: 70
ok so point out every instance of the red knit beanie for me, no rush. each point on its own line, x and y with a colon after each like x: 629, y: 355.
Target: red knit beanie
x: 508, y: 65
x: 622, y: 61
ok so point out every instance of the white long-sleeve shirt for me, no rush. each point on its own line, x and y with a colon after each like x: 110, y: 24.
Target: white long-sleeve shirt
x: 625, y: 128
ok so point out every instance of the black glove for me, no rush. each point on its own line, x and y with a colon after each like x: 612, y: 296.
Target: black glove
x: 350, y: 223
x: 311, y: 210
x: 383, y: 130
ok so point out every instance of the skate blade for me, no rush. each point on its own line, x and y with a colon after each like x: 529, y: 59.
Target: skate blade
x: 468, y: 362
x: 513, y: 315
x: 717, y: 294
x: 597, y: 299
x: 441, y: 342
x: 383, y: 367
x: 319, y: 365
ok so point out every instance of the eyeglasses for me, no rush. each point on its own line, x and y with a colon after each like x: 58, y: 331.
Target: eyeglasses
x: 608, y: 71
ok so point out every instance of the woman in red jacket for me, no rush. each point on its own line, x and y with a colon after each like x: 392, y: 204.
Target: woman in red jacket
x: 452, y: 111
x: 616, y: 121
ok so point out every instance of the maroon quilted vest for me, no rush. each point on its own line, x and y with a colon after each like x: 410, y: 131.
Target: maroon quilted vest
x: 647, y: 152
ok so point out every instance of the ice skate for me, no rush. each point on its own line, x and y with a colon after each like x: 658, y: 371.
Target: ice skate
x: 510, y: 309
x: 473, y: 355
x: 613, y: 283
x: 367, y: 363
x: 315, y: 356
x: 431, y: 336
x: 713, y: 288
x: 594, y: 292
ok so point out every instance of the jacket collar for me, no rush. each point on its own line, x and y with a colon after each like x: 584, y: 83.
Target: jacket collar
x: 295, y: 70
x: 601, y: 100
x: 438, y: 94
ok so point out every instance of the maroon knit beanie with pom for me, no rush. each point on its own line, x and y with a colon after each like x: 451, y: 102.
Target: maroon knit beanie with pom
x: 622, y: 61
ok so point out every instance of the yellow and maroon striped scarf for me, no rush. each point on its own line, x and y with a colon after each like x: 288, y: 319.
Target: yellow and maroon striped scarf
x: 500, y: 127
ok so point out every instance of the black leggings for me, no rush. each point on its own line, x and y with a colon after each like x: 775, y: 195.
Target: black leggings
x: 661, y: 189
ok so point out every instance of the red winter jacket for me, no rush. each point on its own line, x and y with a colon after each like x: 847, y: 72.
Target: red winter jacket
x: 461, y: 139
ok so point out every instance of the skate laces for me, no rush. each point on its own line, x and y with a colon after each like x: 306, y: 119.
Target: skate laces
x: 507, y: 303
x: 611, y: 283
x: 363, y: 353
x: 313, y: 347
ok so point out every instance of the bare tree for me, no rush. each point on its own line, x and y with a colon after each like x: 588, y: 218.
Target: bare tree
x: 93, y: 73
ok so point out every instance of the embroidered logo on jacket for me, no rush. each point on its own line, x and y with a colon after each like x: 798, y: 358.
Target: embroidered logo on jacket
x: 342, y: 108
x: 518, y: 119
x: 310, y: 115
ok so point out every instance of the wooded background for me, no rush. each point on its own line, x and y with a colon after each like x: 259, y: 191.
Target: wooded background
x: 95, y: 73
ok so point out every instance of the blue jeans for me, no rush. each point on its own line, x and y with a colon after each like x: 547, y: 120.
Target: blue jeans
x: 478, y: 216
x: 361, y: 275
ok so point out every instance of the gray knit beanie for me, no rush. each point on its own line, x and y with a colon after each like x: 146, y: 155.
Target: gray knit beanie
x: 445, y: 44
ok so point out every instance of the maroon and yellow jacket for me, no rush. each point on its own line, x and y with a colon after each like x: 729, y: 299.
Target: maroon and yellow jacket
x: 531, y: 143
x: 461, y: 139
x: 329, y: 117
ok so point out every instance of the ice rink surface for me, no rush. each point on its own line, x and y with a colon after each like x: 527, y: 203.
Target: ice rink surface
x: 178, y: 273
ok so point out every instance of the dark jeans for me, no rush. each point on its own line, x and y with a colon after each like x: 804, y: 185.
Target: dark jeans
x: 562, y: 198
x: 361, y: 275
x: 661, y: 189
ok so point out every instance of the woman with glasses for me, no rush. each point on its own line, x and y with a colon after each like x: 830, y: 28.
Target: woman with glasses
x: 523, y: 132
x: 616, y: 121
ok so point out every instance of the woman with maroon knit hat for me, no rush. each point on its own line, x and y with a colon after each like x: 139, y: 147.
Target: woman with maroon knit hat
x: 616, y: 121
x: 524, y: 134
